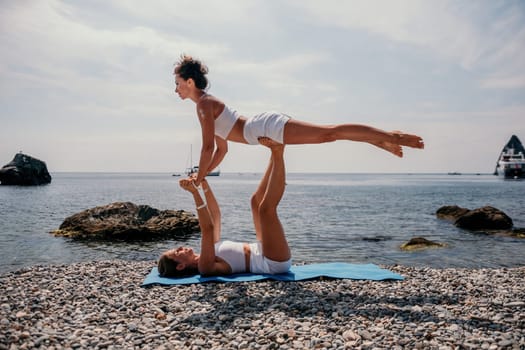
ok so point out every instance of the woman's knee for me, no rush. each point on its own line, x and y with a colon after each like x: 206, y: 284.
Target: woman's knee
x: 255, y: 201
x: 267, y: 209
x: 335, y: 132
x: 329, y: 134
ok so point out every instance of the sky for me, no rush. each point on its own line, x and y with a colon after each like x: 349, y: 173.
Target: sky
x: 89, y: 86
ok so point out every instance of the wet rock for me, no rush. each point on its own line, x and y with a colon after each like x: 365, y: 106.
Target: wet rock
x: 24, y: 170
x: 128, y: 221
x: 419, y: 243
x: 451, y: 212
x: 518, y: 232
x: 485, y: 218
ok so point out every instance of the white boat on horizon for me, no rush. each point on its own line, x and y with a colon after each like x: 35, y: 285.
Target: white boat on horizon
x: 195, y: 169
x: 511, y: 162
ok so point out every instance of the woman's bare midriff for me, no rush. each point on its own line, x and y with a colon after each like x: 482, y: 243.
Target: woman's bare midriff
x: 237, y: 132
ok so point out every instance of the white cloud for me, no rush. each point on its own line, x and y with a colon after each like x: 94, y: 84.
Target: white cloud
x: 80, y: 78
x: 504, y: 82
x: 476, y: 34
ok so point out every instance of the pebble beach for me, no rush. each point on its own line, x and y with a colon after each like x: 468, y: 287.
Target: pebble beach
x: 100, y: 305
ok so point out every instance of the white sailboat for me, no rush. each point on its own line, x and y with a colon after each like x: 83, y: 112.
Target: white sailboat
x: 192, y: 169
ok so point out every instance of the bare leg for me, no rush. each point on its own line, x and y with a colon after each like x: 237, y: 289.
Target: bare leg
x: 273, y: 239
x: 393, y: 148
x: 257, y: 198
x: 298, y: 132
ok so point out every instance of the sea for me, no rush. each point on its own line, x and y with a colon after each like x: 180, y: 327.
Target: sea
x: 355, y: 218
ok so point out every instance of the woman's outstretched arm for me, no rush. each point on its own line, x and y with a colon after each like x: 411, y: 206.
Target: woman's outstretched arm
x: 208, y: 264
x: 220, y: 151
x: 214, y: 210
x: 207, y: 120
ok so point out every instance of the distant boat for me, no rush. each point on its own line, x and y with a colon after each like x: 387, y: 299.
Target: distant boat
x: 454, y: 173
x: 511, y: 162
x: 195, y: 168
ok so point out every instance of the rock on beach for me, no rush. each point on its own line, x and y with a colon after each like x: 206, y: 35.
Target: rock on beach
x: 100, y: 305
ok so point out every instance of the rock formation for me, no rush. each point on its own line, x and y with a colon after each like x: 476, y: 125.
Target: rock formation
x: 24, y: 170
x: 419, y: 243
x: 451, y: 212
x: 128, y: 221
x: 485, y: 218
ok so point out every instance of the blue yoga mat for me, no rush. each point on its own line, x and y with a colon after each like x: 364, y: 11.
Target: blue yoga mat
x: 296, y: 273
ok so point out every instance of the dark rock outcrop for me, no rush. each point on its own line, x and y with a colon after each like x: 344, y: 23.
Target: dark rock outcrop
x: 451, y: 212
x: 24, y: 170
x: 518, y: 232
x: 419, y: 243
x: 485, y: 218
x: 128, y: 221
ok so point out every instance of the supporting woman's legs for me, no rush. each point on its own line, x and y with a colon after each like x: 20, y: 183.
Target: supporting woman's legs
x: 257, y: 198
x: 271, y: 232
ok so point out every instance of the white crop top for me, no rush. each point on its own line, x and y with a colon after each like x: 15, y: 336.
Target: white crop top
x: 225, y: 122
x: 233, y: 254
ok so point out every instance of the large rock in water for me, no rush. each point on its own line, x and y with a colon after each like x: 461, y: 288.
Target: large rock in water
x: 24, y: 170
x: 127, y: 221
x: 451, y: 212
x: 485, y: 218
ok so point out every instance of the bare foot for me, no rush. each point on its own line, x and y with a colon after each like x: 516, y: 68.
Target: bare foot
x: 390, y: 147
x: 408, y: 140
x: 268, y: 142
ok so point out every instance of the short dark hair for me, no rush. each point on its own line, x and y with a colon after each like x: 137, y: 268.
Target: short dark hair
x: 189, y: 67
x: 168, y: 268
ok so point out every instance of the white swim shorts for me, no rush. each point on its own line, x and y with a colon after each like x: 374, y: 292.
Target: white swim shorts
x: 268, y: 124
x: 260, y: 264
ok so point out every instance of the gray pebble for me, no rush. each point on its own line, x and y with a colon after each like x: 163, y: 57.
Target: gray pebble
x: 101, y: 305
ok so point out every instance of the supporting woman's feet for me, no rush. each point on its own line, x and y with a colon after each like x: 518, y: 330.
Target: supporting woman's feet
x: 271, y: 144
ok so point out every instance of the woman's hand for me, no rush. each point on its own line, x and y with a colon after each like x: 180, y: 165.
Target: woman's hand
x: 188, y: 185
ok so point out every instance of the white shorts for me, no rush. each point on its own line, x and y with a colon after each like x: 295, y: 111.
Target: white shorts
x: 260, y: 264
x: 268, y: 124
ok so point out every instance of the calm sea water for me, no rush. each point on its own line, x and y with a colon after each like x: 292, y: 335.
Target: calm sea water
x: 359, y: 218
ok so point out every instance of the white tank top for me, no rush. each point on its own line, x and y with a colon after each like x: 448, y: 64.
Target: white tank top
x: 233, y: 254
x: 225, y: 122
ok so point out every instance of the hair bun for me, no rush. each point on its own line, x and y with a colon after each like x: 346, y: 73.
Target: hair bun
x: 191, y: 68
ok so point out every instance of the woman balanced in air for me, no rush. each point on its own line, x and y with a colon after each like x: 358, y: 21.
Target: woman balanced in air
x: 268, y: 254
x: 221, y: 124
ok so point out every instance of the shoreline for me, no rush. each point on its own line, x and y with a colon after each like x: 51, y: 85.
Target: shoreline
x: 101, y: 305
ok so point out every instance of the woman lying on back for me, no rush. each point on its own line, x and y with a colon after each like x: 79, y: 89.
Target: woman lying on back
x: 268, y: 254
